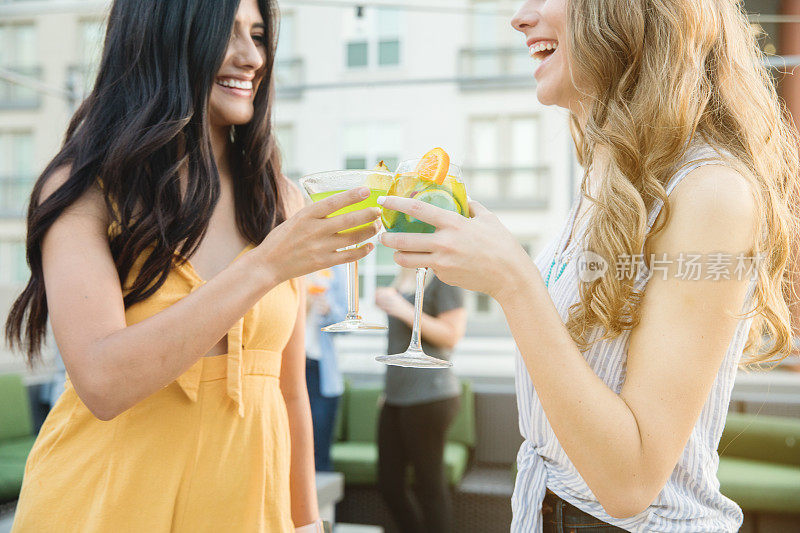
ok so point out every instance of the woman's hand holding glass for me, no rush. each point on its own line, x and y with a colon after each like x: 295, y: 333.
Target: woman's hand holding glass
x: 308, y: 241
x: 476, y: 253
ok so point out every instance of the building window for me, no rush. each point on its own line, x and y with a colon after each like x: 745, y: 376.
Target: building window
x: 90, y: 51
x: 357, y: 54
x: 505, y: 166
x: 388, y: 38
x: 284, y: 134
x: 16, y: 172
x: 13, y: 266
x: 366, y: 144
x: 493, y: 52
x: 374, y: 38
x: 18, y: 53
x: 289, y: 69
x: 286, y: 37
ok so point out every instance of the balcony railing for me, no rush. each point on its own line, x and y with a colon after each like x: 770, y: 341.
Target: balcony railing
x: 15, y: 96
x: 482, y: 68
x: 289, y: 77
x: 14, y: 195
x: 509, y: 187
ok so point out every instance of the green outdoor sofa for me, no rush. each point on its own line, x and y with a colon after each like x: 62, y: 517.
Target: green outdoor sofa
x: 759, y: 466
x: 16, y: 434
x: 355, y: 450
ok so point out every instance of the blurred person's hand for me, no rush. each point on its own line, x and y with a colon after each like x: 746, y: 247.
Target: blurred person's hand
x: 391, y: 301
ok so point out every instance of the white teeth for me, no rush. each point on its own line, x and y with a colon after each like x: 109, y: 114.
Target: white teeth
x: 541, y: 46
x: 236, y: 83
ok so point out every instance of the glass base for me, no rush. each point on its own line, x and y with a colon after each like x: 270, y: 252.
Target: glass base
x: 413, y: 359
x: 353, y: 325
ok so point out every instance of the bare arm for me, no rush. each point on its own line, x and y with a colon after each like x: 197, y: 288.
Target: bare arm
x: 305, y: 509
x: 113, y: 366
x: 626, y: 445
x: 293, y: 386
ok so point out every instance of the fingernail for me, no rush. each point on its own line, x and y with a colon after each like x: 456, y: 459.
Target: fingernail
x: 363, y: 192
x: 380, y: 200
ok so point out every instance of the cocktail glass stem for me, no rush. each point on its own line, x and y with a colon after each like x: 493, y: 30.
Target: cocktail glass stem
x: 414, y: 356
x: 352, y: 321
x: 352, y: 291
x: 416, y: 343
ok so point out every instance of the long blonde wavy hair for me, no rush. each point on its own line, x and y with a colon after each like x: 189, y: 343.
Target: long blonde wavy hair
x: 659, y: 73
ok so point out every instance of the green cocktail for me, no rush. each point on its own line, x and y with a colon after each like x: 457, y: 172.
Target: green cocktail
x: 324, y: 184
x: 448, y: 193
x: 371, y: 201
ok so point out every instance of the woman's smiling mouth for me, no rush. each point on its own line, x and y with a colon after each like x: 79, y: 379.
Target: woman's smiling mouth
x: 236, y: 86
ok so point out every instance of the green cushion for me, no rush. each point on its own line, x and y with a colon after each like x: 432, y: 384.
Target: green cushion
x: 15, y: 412
x: 13, y: 455
x: 760, y: 486
x: 456, y: 457
x: 361, y: 418
x: 10, y: 479
x: 463, y: 428
x: 358, y: 461
x: 16, y: 449
x: 338, y: 422
x: 763, y: 438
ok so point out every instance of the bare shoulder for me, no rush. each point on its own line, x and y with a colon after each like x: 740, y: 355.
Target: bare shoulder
x: 88, y: 212
x: 293, y: 199
x: 713, y: 208
x: 90, y: 205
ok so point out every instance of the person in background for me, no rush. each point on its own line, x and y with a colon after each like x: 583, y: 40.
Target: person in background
x: 326, y: 304
x: 420, y: 404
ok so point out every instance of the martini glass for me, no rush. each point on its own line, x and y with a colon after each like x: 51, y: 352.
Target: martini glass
x: 450, y: 195
x: 324, y: 184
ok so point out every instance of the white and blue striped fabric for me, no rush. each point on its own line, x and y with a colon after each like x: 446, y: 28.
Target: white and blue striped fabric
x: 690, y: 501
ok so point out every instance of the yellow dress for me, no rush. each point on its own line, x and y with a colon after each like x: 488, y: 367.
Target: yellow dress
x: 209, y: 452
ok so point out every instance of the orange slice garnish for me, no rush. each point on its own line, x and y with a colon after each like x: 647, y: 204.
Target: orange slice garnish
x: 434, y: 166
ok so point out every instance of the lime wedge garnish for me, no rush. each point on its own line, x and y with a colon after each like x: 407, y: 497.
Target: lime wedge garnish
x: 439, y: 198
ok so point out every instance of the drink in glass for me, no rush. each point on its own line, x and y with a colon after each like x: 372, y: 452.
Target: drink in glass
x: 324, y: 184
x: 435, y: 181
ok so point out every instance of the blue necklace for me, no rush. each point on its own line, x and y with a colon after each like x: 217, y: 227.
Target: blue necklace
x: 550, y: 271
x: 553, y: 262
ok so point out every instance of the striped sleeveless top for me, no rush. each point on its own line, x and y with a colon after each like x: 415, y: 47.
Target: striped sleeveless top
x: 690, y: 501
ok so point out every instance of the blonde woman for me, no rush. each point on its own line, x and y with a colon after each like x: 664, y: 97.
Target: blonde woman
x: 624, y: 378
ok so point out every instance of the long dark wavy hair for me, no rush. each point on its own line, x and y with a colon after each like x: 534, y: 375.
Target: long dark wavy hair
x: 145, y: 119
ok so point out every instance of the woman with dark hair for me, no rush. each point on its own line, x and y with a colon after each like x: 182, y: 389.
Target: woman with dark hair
x: 171, y: 158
